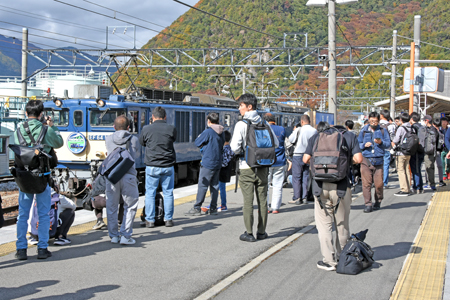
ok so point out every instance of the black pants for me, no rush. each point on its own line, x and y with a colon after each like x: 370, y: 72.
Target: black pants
x: 67, y: 217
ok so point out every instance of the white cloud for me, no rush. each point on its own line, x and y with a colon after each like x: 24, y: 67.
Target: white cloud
x: 32, y: 14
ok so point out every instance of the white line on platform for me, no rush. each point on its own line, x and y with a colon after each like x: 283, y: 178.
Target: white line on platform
x: 216, y: 289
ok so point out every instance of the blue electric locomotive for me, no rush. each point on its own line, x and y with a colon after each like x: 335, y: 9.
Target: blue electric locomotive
x: 84, y: 124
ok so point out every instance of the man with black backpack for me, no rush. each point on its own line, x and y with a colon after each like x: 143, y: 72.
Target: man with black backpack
x: 30, y: 131
x: 402, y: 145
x: 431, y: 142
x: 330, y: 171
x: 253, y: 165
x: 373, y: 141
x: 384, y: 123
x: 417, y: 159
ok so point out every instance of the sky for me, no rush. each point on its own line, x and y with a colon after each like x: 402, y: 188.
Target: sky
x: 85, y: 29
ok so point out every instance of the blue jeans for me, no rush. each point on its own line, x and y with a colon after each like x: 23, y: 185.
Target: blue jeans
x: 43, y: 202
x: 154, y: 176
x: 415, y: 163
x: 387, y: 160
x: 223, y: 193
x: 300, y: 175
x: 207, y: 178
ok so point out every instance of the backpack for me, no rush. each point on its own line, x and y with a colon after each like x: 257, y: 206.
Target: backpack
x: 385, y: 126
x: 31, y: 163
x: 159, y: 211
x: 260, y: 145
x: 53, y: 213
x: 330, y: 157
x: 355, y: 257
x: 410, y: 143
x: 421, y: 134
x: 430, y: 141
x: 290, y: 147
x: 441, y: 142
x: 117, y: 164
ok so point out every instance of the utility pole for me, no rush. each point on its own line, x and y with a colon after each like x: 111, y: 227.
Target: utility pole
x: 243, y: 83
x: 24, y: 60
x: 332, y: 93
x: 393, y: 74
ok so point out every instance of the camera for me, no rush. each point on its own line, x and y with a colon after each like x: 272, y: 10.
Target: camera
x: 323, y: 57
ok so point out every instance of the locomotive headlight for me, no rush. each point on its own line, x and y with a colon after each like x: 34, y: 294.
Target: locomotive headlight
x: 57, y: 102
x: 100, y: 102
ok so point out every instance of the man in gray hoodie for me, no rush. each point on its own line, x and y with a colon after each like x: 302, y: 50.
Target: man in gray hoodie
x: 127, y: 187
x: 251, y: 179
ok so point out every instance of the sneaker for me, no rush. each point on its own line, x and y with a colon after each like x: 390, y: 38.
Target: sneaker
x: 304, y: 201
x: 413, y: 191
x: 247, y: 237
x: 99, y: 225
x: 427, y: 187
x: 324, y: 266
x: 213, y: 211
x: 377, y: 206
x: 205, y: 208
x: 43, y: 253
x: 401, y: 194
x: 66, y: 240
x: 193, y: 212
x: 276, y: 211
x: 441, y: 184
x: 445, y: 178
x: 296, y: 201
x: 21, y: 254
x: 419, y: 191
x: 387, y: 187
x: 433, y: 188
x: 59, y: 242
x: 269, y: 211
x: 261, y: 236
x: 149, y: 224
x: 168, y: 223
x: 115, y: 240
x: 125, y: 241
x: 368, y: 209
x: 222, y: 208
x: 33, y: 241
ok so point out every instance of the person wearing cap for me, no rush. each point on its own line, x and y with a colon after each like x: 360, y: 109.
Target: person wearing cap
x: 430, y: 159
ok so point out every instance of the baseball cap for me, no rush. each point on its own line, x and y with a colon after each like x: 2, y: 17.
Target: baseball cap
x: 428, y: 118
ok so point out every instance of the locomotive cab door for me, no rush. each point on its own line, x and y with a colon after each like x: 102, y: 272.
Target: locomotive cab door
x: 139, y: 118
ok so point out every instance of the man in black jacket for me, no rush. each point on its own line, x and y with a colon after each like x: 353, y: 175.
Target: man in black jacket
x: 158, y: 139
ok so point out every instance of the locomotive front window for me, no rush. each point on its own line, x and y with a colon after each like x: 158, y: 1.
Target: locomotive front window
x: 103, y: 118
x: 59, y: 117
x: 78, y: 118
x: 134, y: 117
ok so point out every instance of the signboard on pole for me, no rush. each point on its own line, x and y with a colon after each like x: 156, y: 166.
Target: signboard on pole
x: 426, y: 80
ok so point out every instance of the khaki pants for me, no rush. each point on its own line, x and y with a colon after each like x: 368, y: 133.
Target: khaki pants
x: 404, y: 177
x: 254, y: 181
x: 330, y: 248
x: 429, y: 168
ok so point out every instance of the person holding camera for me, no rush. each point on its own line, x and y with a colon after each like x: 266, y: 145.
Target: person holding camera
x: 373, y: 141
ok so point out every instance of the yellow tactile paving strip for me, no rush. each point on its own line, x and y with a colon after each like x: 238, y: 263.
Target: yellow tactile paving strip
x: 423, y: 273
x: 85, y: 227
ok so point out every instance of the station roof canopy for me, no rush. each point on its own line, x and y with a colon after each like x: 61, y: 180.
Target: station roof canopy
x: 432, y: 103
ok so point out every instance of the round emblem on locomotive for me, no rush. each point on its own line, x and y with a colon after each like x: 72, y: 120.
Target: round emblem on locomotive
x: 76, y: 142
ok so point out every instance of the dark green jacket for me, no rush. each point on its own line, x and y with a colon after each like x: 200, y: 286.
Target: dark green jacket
x: 52, y: 138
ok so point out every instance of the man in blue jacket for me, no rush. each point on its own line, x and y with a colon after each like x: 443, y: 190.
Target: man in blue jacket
x: 373, y: 141
x: 210, y: 142
x: 276, y: 171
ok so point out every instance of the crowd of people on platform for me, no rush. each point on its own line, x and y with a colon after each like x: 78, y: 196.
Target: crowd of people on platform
x: 382, y: 143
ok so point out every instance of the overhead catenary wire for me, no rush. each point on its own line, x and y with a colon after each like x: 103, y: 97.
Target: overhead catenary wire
x: 422, y: 42
x: 226, y: 20
x: 146, y: 21
x: 115, y: 18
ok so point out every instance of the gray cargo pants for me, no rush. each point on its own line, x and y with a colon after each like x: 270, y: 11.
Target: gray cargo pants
x: 128, y: 188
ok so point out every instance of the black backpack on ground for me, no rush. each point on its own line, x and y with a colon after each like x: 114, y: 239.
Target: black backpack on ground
x: 430, y: 141
x: 159, y: 211
x: 356, y: 255
x: 410, y: 143
x: 260, y: 145
x: 32, y: 168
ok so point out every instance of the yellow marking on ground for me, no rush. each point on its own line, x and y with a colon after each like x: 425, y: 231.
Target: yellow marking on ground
x: 423, y: 273
x: 10, y: 247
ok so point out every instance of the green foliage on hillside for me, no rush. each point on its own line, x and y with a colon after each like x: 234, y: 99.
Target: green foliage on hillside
x: 8, y: 65
x: 369, y: 22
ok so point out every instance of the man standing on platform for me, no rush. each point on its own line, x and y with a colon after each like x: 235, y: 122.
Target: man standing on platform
x: 402, y: 155
x: 384, y: 123
x: 158, y: 139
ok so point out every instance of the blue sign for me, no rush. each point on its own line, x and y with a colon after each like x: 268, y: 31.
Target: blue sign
x: 76, y: 142
x: 324, y: 117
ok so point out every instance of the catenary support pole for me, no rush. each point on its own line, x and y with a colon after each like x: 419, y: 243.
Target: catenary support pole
x: 393, y: 74
x: 332, y: 94
x: 411, y: 78
x: 24, y: 60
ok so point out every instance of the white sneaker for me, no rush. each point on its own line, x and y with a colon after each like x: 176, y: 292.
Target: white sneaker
x: 125, y: 241
x: 32, y: 241
x: 115, y: 240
